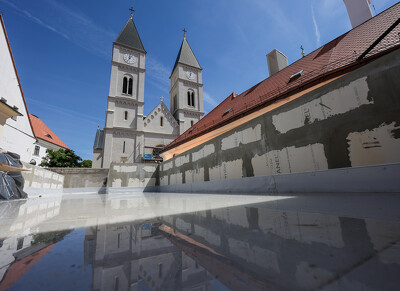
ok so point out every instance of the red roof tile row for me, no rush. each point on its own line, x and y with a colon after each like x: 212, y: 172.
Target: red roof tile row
x: 340, y: 53
x: 43, y: 132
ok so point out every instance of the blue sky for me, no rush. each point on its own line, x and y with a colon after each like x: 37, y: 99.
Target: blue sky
x: 62, y: 49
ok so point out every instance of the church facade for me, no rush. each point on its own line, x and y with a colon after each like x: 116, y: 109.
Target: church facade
x: 129, y: 136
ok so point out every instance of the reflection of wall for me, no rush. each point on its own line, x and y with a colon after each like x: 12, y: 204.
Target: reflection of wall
x: 295, y: 249
x: 128, y: 256
x: 351, y: 121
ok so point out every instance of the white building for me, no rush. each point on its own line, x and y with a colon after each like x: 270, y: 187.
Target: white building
x: 128, y: 135
x: 45, y: 139
x: 17, y: 134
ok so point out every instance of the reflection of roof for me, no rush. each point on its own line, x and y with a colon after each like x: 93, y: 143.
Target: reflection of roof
x: 19, y: 267
x: 129, y: 37
x: 332, y: 58
x: 186, y: 56
x: 43, y: 132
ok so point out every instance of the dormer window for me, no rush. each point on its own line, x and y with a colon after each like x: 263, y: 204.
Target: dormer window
x: 190, y: 98
x: 295, y: 76
x: 127, y: 85
x: 49, y: 136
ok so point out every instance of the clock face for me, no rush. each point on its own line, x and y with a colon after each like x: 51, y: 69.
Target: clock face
x: 129, y: 59
x: 190, y: 75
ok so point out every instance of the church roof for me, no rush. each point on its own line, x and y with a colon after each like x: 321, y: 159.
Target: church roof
x: 41, y: 131
x: 332, y: 59
x: 99, y: 140
x: 186, y: 56
x: 129, y: 36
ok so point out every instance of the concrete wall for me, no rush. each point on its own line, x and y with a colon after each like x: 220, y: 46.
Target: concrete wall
x: 38, y: 179
x: 351, y: 121
x: 132, y: 175
x: 82, y: 177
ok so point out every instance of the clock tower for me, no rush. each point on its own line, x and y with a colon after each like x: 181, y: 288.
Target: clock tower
x: 186, y: 93
x: 123, y: 131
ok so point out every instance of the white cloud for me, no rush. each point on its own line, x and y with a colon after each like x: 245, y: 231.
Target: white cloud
x: 317, y: 33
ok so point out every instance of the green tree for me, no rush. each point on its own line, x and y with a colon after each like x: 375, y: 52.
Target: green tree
x: 86, y: 164
x: 62, y: 158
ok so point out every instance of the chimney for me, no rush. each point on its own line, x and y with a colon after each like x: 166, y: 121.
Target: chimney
x: 359, y: 11
x: 276, y: 61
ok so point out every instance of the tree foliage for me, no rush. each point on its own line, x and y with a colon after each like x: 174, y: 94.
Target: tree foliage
x: 63, y: 158
x: 86, y: 164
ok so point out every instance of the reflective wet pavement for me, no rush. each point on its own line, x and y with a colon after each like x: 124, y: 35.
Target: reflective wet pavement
x: 148, y: 241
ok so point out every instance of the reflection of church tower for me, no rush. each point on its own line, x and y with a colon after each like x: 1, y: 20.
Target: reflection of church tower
x: 123, y: 132
x: 186, y: 93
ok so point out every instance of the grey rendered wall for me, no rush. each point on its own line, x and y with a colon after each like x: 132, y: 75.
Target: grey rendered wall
x: 39, y: 178
x: 132, y: 175
x: 82, y: 177
x: 350, y: 122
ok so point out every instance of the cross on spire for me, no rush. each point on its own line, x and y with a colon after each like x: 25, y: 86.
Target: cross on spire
x: 302, y: 50
x: 132, y: 10
x: 184, y: 32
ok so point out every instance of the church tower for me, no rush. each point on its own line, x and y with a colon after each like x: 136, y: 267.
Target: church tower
x: 186, y: 93
x: 123, y: 132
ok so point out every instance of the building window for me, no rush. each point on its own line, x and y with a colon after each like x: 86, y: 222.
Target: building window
x: 123, y: 148
x: 175, y: 103
x: 190, y: 98
x: 37, y: 149
x: 20, y: 243
x: 161, y: 121
x: 126, y: 115
x: 191, y: 123
x: 127, y: 85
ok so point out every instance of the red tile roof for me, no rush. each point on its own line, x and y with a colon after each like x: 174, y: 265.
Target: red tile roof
x: 337, y: 55
x: 43, y: 132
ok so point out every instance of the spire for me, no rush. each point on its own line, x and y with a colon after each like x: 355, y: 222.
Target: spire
x: 186, y: 55
x: 129, y: 36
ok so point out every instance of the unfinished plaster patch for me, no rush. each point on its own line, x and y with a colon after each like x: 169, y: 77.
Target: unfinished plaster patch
x: 242, y: 137
x: 290, y: 160
x: 227, y: 170
x: 164, y: 180
x: 149, y: 169
x: 376, y: 146
x: 179, y: 161
x: 204, y: 152
x: 116, y: 183
x: 147, y: 182
x: 309, y: 276
x: 176, y: 179
x: 333, y: 103
x: 167, y: 166
x: 133, y: 182
x: 194, y: 176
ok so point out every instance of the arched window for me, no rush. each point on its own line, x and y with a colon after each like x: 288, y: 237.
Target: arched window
x: 126, y: 115
x: 161, y: 121
x: 130, y: 86
x: 190, y: 98
x: 125, y: 85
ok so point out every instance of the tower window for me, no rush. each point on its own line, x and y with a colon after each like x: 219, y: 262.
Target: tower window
x: 130, y: 86
x: 175, y: 103
x: 191, y: 123
x: 126, y: 115
x: 127, y: 85
x: 161, y: 121
x: 190, y: 98
x: 123, y: 148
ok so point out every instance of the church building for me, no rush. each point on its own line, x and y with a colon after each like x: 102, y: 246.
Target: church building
x: 129, y: 136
